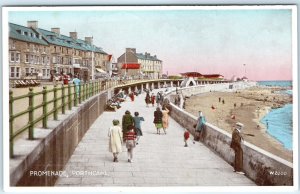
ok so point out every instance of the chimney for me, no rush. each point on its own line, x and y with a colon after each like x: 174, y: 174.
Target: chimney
x: 32, y: 24
x: 73, y: 35
x: 55, y: 30
x: 155, y: 57
x: 89, y: 40
x: 132, y: 50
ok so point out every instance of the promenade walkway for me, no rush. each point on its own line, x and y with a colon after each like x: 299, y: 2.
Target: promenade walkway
x: 159, y: 160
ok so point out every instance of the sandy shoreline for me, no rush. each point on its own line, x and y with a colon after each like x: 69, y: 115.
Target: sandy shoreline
x: 251, y: 106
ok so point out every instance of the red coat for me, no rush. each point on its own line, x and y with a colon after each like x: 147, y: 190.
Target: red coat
x: 186, y: 135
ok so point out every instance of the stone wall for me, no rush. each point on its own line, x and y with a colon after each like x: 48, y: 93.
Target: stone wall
x: 262, y: 167
x: 37, y: 160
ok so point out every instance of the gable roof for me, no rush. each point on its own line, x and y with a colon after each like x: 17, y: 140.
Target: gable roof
x: 25, y: 34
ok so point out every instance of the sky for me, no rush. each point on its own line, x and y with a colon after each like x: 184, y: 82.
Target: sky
x: 207, y: 41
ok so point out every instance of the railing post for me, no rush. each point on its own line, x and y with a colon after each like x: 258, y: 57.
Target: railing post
x: 75, y: 95
x: 69, y: 97
x: 83, y: 91
x: 55, y: 102
x: 92, y: 88
x: 30, y: 114
x: 79, y: 96
x: 45, y: 117
x: 86, y: 90
x: 63, y: 106
x: 11, y: 121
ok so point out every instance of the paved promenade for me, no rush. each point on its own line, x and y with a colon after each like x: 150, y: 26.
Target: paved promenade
x: 159, y: 160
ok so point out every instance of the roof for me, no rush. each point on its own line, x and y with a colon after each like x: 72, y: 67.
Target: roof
x: 212, y: 75
x: 147, y: 57
x: 192, y: 74
x: 19, y: 32
x: 130, y: 66
x: 48, y: 37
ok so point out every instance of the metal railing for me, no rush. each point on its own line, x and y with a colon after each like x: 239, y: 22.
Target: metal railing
x: 64, y: 97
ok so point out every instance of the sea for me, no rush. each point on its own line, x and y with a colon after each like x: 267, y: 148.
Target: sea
x: 279, y: 122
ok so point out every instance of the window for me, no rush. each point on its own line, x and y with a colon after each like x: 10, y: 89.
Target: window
x: 14, y: 72
x: 43, y: 60
x: 54, y: 59
x: 32, y: 70
x: 44, y: 73
x: 18, y: 57
x: 26, y: 58
x: 12, y: 57
x: 48, y: 73
x: 27, y: 71
x: 37, y: 60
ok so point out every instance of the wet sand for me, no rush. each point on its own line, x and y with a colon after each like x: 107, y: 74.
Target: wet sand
x: 251, y: 106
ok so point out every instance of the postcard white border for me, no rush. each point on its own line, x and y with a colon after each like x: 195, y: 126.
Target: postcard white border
x: 5, y: 75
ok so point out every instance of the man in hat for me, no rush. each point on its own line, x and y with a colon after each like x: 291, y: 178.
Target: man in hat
x: 236, y: 146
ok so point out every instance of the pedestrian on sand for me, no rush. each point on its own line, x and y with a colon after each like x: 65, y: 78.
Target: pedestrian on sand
x: 137, y: 125
x: 186, y: 136
x: 115, y: 139
x: 165, y: 118
x: 153, y: 99
x: 130, y: 142
x: 127, y: 121
x: 236, y: 142
x: 158, y: 119
x: 219, y: 99
x: 223, y: 101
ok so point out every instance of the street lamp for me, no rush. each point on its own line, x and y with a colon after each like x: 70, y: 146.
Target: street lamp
x: 245, y: 70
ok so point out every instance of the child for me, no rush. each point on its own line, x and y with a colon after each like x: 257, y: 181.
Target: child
x: 130, y: 142
x: 186, y: 136
x: 137, y: 125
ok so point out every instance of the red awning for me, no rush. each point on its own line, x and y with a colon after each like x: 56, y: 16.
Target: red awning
x: 131, y: 66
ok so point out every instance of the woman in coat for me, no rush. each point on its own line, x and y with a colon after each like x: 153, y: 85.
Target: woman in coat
x: 137, y: 126
x: 158, y: 119
x: 115, y: 139
x: 200, y: 125
x: 127, y: 121
x: 165, y: 119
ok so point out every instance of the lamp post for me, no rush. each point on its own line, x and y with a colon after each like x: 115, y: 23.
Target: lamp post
x: 245, y: 70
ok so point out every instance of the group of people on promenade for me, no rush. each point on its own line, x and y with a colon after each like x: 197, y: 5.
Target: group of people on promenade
x: 131, y: 131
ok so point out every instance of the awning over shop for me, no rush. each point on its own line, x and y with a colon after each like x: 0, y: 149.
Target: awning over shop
x: 131, y: 66
x: 100, y: 70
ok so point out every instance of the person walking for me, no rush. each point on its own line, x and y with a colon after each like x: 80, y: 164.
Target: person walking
x: 186, y: 136
x: 127, y: 121
x: 131, y: 95
x: 76, y: 81
x: 137, y: 125
x: 165, y: 118
x: 115, y: 139
x: 158, y: 119
x: 148, y: 99
x: 158, y: 98
x: 130, y: 142
x: 152, y: 99
x: 236, y: 146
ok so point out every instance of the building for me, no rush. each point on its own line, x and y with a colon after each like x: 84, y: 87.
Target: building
x: 202, y: 76
x: 132, y: 63
x: 36, y: 53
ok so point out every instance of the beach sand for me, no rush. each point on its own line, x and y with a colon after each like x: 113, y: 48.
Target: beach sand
x: 251, y: 106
